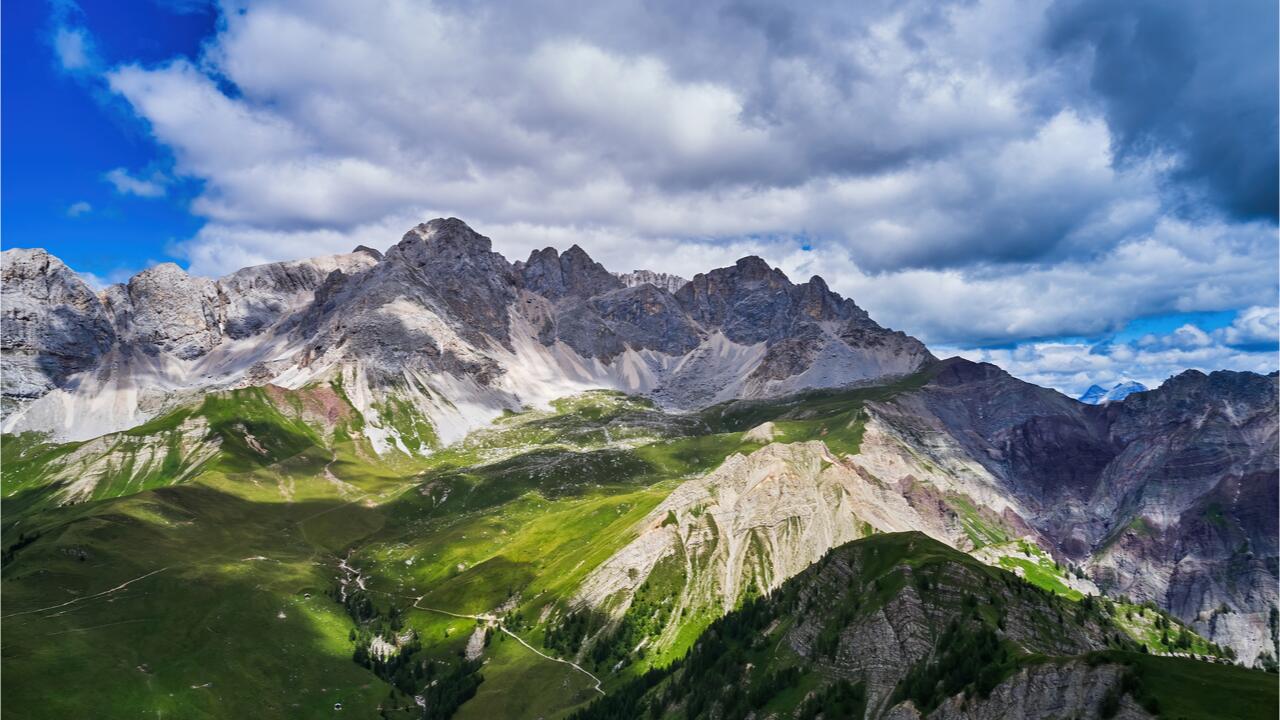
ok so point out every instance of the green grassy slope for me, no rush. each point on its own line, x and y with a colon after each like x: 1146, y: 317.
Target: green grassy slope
x: 761, y: 661
x: 210, y: 565
x: 200, y: 577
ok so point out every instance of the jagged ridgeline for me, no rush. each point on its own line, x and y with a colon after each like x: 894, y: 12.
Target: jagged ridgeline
x: 433, y: 483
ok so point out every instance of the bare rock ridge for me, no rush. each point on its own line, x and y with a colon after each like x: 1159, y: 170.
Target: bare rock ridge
x: 439, y: 318
x: 555, y: 276
x: 1168, y: 495
x: 53, y: 325
x: 662, y: 281
x: 1165, y: 497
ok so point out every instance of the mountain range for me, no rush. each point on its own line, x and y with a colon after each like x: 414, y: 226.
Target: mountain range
x: 432, y: 482
x: 1097, y: 395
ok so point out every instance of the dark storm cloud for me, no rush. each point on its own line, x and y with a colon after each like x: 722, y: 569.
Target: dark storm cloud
x: 1193, y: 79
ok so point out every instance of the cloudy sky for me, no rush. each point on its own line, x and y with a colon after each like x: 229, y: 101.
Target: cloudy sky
x: 1079, y: 190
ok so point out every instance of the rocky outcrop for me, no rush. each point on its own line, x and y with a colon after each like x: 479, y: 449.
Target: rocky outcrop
x: 574, y: 273
x: 164, y: 310
x: 455, y: 267
x: 52, y: 325
x: 256, y: 298
x: 1071, y: 689
x: 880, y: 645
x: 641, y: 317
x: 1159, y: 493
x: 763, y: 517
x: 662, y: 281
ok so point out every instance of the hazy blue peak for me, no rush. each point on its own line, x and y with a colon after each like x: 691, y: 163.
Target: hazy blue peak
x: 1096, y: 395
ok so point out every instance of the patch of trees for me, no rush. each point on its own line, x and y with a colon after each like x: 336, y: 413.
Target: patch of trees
x: 969, y: 658
x: 6, y: 556
x: 628, y: 701
x: 841, y: 699
x: 444, y: 684
x: 566, y: 636
x: 447, y: 689
x: 710, y: 680
x: 1130, y: 684
x: 650, y: 611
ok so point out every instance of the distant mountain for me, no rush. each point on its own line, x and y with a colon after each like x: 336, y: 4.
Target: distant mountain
x: 1093, y: 395
x: 666, y: 281
x: 1097, y: 395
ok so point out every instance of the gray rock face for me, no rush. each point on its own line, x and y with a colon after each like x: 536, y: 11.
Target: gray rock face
x: 255, y: 298
x: 435, y: 303
x: 1169, y: 494
x: 749, y: 302
x: 163, y: 309
x: 53, y: 325
x: 879, y: 646
x: 1197, y: 482
x: 574, y: 273
x: 1052, y: 690
x: 662, y: 281
x: 641, y: 317
x: 459, y: 270
x: 650, y: 318
x: 802, y: 325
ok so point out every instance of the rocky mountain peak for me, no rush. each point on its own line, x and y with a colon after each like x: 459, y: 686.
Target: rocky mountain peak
x: 1093, y: 395
x: 1097, y: 395
x: 375, y: 254
x: 163, y: 309
x: 665, y: 281
x: 52, y: 324
x: 745, y: 300
x: 442, y: 302
x: 753, y: 267
x: 955, y: 371
x: 574, y: 273
x: 453, y: 270
x: 752, y: 301
x: 447, y: 242
x: 1189, y: 393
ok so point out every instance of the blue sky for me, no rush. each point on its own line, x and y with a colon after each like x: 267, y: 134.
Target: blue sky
x: 63, y: 134
x: 1078, y: 190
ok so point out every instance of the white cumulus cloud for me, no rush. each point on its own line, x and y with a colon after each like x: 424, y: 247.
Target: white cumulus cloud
x: 127, y: 184
x: 942, y: 163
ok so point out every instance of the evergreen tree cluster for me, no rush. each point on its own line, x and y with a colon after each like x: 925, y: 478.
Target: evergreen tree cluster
x: 443, y: 684
x: 841, y: 699
x: 968, y: 658
x: 6, y: 555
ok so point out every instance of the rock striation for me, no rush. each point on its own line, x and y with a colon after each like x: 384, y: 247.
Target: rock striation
x: 1167, y: 495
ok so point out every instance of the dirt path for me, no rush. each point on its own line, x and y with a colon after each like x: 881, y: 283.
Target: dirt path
x: 345, y: 489
x: 498, y: 623
x: 121, y: 586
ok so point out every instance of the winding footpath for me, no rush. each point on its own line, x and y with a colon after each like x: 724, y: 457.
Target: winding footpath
x: 498, y: 623
x: 121, y: 586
